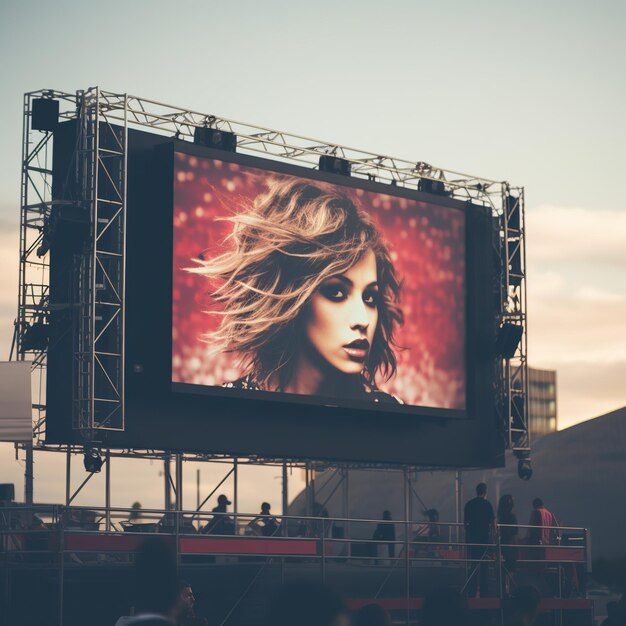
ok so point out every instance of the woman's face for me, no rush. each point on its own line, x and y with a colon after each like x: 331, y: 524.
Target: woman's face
x: 343, y: 314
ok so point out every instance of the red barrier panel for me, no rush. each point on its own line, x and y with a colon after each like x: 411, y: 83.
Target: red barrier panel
x: 248, y: 545
x: 83, y: 542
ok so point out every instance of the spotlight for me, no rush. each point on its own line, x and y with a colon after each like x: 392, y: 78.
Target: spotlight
x: 508, y: 339
x: 524, y: 464
x: 335, y: 165
x: 524, y: 469
x: 92, y: 461
x: 215, y: 138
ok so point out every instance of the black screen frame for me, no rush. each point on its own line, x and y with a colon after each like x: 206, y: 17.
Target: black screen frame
x: 159, y: 418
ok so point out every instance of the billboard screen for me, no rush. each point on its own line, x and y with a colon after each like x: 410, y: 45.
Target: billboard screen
x: 279, y: 311
x: 311, y: 291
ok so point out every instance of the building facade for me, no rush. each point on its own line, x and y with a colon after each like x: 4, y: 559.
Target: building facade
x: 542, y: 406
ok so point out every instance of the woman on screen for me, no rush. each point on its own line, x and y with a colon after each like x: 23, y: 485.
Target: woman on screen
x: 309, y: 295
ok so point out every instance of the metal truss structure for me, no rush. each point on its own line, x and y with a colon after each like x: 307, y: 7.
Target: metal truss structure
x: 104, y: 119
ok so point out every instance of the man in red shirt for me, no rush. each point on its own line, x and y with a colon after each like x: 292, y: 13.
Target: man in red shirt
x: 546, y: 531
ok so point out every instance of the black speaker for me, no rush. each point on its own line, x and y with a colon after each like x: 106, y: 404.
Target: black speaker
x: 512, y: 212
x: 436, y: 187
x: 508, y: 339
x: 335, y: 165
x: 7, y: 492
x: 215, y: 138
x: 45, y: 114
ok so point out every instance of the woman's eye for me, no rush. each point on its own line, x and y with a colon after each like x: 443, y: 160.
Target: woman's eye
x: 371, y: 298
x: 333, y: 292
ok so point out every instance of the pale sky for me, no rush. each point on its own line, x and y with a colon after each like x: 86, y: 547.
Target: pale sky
x: 531, y: 92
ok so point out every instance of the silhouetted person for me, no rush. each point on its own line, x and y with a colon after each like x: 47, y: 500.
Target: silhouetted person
x: 429, y: 530
x: 544, y: 521
x: 220, y: 524
x: 185, y: 613
x: 522, y: 608
x: 156, y: 584
x: 135, y: 513
x: 508, y: 537
x: 371, y: 615
x: 386, y: 531
x: 444, y: 607
x: 479, y: 524
x: 306, y: 603
x: 265, y: 523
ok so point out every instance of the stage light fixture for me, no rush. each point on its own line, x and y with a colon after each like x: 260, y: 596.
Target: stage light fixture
x: 335, y: 165
x: 215, y: 138
x: 436, y: 187
x: 35, y: 336
x: 524, y: 464
x: 525, y: 469
x: 92, y: 461
x: 45, y: 114
x: 508, y: 340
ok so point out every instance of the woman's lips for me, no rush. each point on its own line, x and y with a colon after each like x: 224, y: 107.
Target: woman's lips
x: 357, y: 350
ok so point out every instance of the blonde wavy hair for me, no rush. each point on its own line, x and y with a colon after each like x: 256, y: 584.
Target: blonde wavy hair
x: 294, y: 236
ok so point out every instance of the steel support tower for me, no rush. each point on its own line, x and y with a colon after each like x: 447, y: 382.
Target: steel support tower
x: 104, y: 119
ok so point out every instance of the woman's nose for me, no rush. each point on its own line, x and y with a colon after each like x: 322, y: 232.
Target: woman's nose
x: 358, y: 314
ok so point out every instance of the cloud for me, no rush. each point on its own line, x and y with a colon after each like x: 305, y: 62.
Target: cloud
x: 593, y: 294
x: 576, y: 262
x: 576, y: 235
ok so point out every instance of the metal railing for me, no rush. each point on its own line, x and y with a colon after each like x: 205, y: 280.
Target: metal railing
x: 402, y: 554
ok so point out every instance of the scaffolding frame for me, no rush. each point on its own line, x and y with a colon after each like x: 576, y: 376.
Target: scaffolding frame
x: 104, y: 119
x: 99, y: 358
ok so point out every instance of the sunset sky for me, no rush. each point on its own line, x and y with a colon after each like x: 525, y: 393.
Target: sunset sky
x: 532, y: 93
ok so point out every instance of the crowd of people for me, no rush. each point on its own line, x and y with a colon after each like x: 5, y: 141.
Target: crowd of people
x: 164, y: 599
x: 484, y: 529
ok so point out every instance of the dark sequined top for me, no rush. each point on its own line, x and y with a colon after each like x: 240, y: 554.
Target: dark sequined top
x: 370, y: 390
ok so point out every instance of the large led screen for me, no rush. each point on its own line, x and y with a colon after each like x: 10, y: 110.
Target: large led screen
x: 315, y: 292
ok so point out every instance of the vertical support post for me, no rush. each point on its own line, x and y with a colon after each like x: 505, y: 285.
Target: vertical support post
x: 407, y: 562
x: 197, y: 489
x: 322, y: 544
x: 307, y: 488
x: 458, y: 487
x: 179, y: 494
x: 107, y: 491
x: 236, y: 492
x: 166, y: 476
x: 179, y: 482
x: 346, y: 502
x: 312, y: 490
x: 500, y: 579
x: 68, y: 473
x: 61, y: 569
x: 285, y: 498
x: 29, y: 474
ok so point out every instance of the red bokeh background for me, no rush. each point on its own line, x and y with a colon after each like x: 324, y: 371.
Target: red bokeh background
x: 427, y: 244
